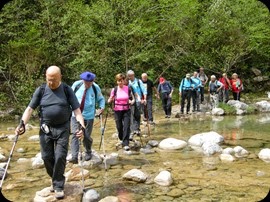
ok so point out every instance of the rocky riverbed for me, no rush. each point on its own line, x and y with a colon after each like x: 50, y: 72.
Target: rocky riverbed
x: 191, y: 158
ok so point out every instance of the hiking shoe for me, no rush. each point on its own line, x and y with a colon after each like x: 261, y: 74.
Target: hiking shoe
x: 131, y: 137
x: 88, y: 156
x: 59, y: 194
x: 126, y: 148
x: 74, y: 160
x: 152, y: 123
x: 137, y: 132
x: 168, y: 116
x: 51, y: 188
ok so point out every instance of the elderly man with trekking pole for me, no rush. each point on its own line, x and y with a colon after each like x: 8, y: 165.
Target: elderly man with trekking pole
x: 56, y: 100
x: 88, y: 94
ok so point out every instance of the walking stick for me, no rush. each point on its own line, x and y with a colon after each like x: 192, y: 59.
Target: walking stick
x: 102, y: 136
x: 9, y: 158
x: 81, y: 156
x: 146, y: 116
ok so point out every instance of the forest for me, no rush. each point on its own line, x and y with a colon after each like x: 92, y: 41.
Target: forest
x: 160, y: 37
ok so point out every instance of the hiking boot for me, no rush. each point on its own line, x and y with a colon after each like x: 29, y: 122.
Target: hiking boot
x: 74, y: 160
x: 59, y: 194
x: 131, y: 137
x: 168, y: 116
x: 137, y: 132
x: 152, y: 123
x: 88, y: 156
x: 51, y: 188
x: 126, y: 148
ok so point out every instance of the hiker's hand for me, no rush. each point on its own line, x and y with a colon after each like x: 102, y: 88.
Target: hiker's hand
x: 80, y: 134
x: 100, y: 111
x: 170, y: 95
x: 131, y: 102
x: 20, y: 129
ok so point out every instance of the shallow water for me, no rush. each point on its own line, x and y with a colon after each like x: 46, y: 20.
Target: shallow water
x: 196, y: 177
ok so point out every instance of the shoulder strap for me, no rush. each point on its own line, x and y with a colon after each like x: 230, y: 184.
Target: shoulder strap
x: 41, y: 91
x: 95, y: 90
x: 78, y: 86
x: 115, y: 91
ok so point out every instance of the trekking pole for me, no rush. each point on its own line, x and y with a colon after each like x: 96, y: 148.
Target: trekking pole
x: 81, y: 156
x: 147, y: 119
x: 102, y: 137
x: 9, y: 158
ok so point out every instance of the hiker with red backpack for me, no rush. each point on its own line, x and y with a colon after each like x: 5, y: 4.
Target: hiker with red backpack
x: 123, y: 98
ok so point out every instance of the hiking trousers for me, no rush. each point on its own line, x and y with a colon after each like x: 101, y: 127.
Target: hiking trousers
x: 186, y: 95
x: 87, y: 140
x: 54, y: 149
x: 166, y: 103
x: 135, y: 116
x: 122, y: 121
x: 195, y: 95
x: 149, y: 109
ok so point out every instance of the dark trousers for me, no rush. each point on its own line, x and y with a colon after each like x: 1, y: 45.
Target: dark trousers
x: 54, y: 149
x: 122, y: 121
x: 149, y: 111
x: 236, y: 96
x: 202, y: 93
x: 87, y: 140
x: 166, y: 103
x: 135, y: 117
x: 195, y: 95
x: 186, y: 95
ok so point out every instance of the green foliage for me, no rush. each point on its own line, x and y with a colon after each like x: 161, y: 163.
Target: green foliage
x: 165, y: 37
x: 228, y: 109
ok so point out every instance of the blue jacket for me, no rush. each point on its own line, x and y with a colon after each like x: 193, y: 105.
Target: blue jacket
x: 90, y: 100
x: 196, y: 83
x: 138, y: 88
x: 186, y: 84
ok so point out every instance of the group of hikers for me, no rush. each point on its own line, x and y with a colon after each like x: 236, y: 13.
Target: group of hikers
x: 62, y: 108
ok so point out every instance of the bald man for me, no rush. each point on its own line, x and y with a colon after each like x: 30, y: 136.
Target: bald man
x: 55, y: 100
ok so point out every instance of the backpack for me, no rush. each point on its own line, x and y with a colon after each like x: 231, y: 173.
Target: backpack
x: 213, y: 87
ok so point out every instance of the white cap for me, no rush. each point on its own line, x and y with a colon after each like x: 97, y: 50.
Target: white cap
x: 130, y: 72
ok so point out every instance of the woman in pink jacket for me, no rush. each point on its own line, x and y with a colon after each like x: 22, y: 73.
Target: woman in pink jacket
x: 237, y: 86
x: 122, y: 97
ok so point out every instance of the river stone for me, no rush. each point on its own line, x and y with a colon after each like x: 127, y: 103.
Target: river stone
x: 176, y: 193
x: 217, y: 111
x: 210, y: 148
x: 34, y: 138
x: 201, y: 138
x: 111, y: 159
x: 135, y: 175
x: 94, y: 162
x: 172, y: 144
x: 147, y: 151
x: 115, y: 136
x: 237, y: 104
x: 240, y: 152
x: 228, y: 150
x: 11, y: 137
x: 226, y: 158
x: 20, y: 150
x: 73, y: 192
x: 240, y: 112
x: 263, y: 106
x: 153, y: 143
x: 90, y: 195
x: 3, y: 165
x: 2, y: 158
x: 164, y: 178
x: 75, y: 174
x: 37, y: 162
x: 23, y: 160
x: 110, y: 199
x: 264, y: 155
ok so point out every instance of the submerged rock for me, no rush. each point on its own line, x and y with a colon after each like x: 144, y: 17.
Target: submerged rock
x: 37, y: 161
x: 240, y: 152
x: 110, y: 199
x: 228, y: 150
x: 90, y: 195
x: 201, y: 138
x: 34, y: 138
x: 2, y: 158
x: 263, y: 106
x: 226, y: 158
x: 73, y: 192
x: 264, y: 155
x: 172, y: 144
x: 135, y: 175
x: 217, y: 111
x: 164, y: 178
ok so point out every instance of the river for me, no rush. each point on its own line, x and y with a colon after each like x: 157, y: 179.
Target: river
x: 196, y: 177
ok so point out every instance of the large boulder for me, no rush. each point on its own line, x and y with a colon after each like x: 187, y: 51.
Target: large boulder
x: 217, y: 111
x: 135, y: 175
x: 201, y: 138
x: 172, y: 144
x: 264, y: 155
x: 164, y: 178
x: 263, y: 106
x: 237, y: 104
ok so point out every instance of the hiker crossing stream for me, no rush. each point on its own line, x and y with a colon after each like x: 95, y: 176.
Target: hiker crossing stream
x: 195, y: 176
